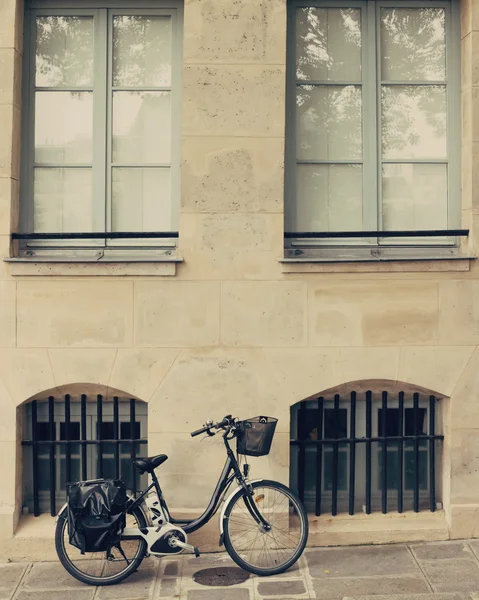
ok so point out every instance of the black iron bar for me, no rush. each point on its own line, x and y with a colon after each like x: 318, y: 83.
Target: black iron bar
x: 369, y: 439
x: 352, y: 453
x: 416, y: 451
x: 302, y: 450
x: 133, y: 444
x: 368, y: 450
x: 52, y: 437
x: 383, y: 234
x: 83, y: 446
x: 96, y: 235
x: 36, y: 508
x: 319, y: 455
x: 68, y: 450
x: 432, y: 454
x: 400, y: 452
x: 105, y: 441
x: 384, y: 456
x: 99, y: 421
x: 116, y: 435
x: 334, y: 496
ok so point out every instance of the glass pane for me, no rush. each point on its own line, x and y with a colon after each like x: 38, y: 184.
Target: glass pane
x: 335, y: 424
x: 141, y: 127
x: 63, y: 127
x: 409, y: 463
x: 414, y: 197
x: 62, y: 200
x: 342, y: 467
x: 413, y: 44
x: 64, y: 51
x: 328, y: 44
x: 414, y: 121
x: 329, y: 198
x: 141, y: 51
x: 329, y: 122
x: 141, y: 200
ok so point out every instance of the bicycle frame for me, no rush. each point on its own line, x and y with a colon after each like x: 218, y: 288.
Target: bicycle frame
x: 231, y: 470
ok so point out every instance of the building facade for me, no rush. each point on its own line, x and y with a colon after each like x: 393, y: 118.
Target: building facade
x: 233, y: 129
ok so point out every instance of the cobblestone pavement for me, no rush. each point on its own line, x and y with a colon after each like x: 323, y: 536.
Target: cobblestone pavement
x: 432, y: 571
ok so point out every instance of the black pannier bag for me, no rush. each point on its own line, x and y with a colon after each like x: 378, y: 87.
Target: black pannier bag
x: 255, y: 436
x: 96, y: 514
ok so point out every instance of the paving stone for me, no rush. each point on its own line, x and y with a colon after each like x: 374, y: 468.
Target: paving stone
x: 171, y: 568
x: 86, y: 594
x: 10, y: 575
x: 279, y: 588
x: 360, y: 561
x: 414, y: 597
x: 454, y: 575
x: 440, y: 551
x: 219, y: 594
x: 138, y: 585
x: 474, y: 544
x: 168, y: 587
x: 338, y: 588
x: 53, y: 576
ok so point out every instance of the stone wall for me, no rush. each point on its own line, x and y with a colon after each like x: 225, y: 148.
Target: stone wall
x: 231, y: 330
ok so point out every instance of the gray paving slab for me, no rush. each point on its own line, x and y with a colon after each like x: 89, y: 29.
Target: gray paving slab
x: 441, y: 550
x: 139, y: 585
x: 169, y: 587
x: 453, y: 575
x: 10, y: 576
x: 219, y: 594
x: 360, y: 561
x: 50, y: 576
x: 86, y: 594
x: 414, y: 597
x: 281, y: 588
x: 339, y: 587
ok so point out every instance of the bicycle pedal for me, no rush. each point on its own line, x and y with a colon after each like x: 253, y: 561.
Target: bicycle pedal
x: 197, y: 552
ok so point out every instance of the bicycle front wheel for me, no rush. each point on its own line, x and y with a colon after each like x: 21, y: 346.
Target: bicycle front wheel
x: 95, y: 568
x: 265, y: 550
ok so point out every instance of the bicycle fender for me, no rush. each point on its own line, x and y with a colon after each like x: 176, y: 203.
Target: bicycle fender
x: 227, y: 502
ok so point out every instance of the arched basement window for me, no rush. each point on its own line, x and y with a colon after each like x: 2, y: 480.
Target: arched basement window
x: 78, y: 438
x: 366, y: 452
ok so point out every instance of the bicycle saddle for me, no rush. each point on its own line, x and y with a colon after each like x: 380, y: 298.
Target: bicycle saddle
x: 149, y: 464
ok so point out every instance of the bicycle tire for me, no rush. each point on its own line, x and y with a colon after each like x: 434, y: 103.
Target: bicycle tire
x: 247, y: 552
x: 61, y: 540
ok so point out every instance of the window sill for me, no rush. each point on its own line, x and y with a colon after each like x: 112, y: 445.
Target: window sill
x: 377, y: 264
x: 104, y: 267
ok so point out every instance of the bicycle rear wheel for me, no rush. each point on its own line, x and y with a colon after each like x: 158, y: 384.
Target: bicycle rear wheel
x: 94, y: 568
x: 260, y: 550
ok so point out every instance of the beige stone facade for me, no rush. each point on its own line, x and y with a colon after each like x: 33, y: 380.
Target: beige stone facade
x: 231, y: 328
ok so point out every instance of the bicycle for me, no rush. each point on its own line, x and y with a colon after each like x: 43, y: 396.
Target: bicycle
x: 263, y: 525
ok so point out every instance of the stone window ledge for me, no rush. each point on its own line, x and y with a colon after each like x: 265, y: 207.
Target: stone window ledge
x: 382, y: 264
x: 104, y: 267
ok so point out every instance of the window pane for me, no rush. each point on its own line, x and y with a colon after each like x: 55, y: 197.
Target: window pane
x: 329, y: 198
x: 329, y: 122
x: 414, y: 197
x: 141, y: 51
x: 328, y: 44
x: 74, y: 430
x: 64, y: 51
x: 413, y: 44
x: 141, y: 200
x: 335, y: 424
x: 63, y: 127
x: 141, y: 127
x: 62, y: 200
x: 414, y: 121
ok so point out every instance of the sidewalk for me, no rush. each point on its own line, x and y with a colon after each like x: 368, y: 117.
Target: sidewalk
x: 438, y: 570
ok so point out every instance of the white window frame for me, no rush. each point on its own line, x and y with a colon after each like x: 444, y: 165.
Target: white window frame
x: 344, y: 248
x: 103, y: 12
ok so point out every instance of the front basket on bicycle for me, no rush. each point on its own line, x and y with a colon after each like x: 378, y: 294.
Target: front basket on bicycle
x: 255, y: 436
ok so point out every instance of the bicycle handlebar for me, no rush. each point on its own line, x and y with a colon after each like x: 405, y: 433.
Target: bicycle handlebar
x: 207, y: 428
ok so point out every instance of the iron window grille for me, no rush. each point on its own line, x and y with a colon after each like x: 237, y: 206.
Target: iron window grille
x: 67, y: 441
x: 378, y: 453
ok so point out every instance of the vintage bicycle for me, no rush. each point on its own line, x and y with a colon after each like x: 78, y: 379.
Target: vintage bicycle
x: 263, y: 525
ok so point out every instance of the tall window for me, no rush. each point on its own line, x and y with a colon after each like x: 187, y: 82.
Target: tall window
x: 101, y: 122
x: 372, y: 120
